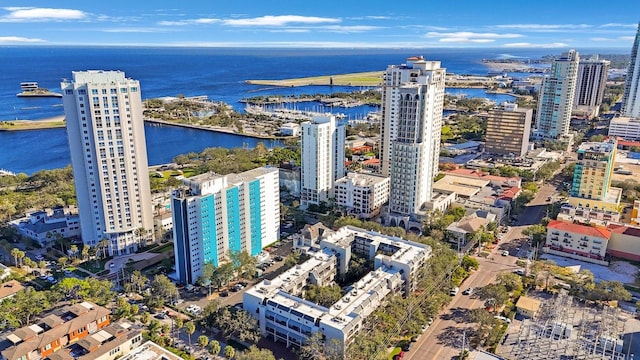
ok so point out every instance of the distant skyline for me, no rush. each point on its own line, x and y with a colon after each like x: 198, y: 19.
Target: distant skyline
x: 335, y: 24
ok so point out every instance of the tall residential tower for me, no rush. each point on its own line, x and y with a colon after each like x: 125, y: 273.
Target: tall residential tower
x: 556, y: 96
x: 590, y: 84
x: 105, y: 128
x: 412, y: 102
x: 508, y: 129
x: 219, y: 214
x: 631, y: 98
x: 323, y: 157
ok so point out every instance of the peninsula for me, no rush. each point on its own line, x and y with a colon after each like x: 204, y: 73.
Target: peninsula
x: 49, y: 123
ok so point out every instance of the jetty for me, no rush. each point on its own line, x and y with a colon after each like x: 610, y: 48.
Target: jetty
x: 18, y: 125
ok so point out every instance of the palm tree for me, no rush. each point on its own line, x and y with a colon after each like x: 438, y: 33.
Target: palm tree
x: 73, y: 249
x: 179, y: 324
x: 59, y: 239
x: 85, y: 252
x: 14, y: 253
x: 21, y: 256
x: 103, y: 245
x: 190, y: 328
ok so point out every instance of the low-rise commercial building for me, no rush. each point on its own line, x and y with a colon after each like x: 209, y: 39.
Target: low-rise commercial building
x: 527, y: 306
x: 362, y: 195
x: 625, y: 127
x: 582, y: 242
x: 286, y: 317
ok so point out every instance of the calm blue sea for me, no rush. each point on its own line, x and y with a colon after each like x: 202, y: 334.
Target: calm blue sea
x: 218, y: 73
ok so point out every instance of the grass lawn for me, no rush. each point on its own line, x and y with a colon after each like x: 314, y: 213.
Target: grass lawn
x: 372, y: 78
x: 91, y: 266
x: 163, y: 248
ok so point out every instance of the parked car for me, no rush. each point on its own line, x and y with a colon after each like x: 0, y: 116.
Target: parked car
x: 505, y: 253
x: 279, y: 258
x: 224, y: 293
x: 454, y: 291
x: 467, y: 291
x: 407, y: 346
x: 502, y: 318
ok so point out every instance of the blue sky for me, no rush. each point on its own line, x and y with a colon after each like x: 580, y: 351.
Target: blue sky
x: 328, y: 23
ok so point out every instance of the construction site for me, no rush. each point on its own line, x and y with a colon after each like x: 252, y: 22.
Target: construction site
x: 568, y: 329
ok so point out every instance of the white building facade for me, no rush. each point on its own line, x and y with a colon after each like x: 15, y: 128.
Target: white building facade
x: 221, y: 214
x: 362, y: 194
x: 323, y: 158
x: 556, y: 96
x: 412, y: 102
x: 284, y: 316
x: 625, y: 127
x: 631, y: 97
x: 105, y: 128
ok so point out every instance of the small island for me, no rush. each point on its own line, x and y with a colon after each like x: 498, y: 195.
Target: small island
x: 31, y: 89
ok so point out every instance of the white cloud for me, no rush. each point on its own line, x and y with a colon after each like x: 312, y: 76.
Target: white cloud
x: 543, y: 27
x: 467, y: 37
x: 18, y: 39
x: 134, y: 30
x: 290, y: 31
x: 200, y: 21
x: 618, y: 25
x: 31, y: 14
x: 471, y: 35
x: 467, y: 41
x: 619, y: 38
x: 531, y: 45
x: 280, y: 20
x: 349, y: 29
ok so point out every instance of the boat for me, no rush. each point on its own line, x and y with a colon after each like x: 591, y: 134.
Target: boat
x: 31, y: 89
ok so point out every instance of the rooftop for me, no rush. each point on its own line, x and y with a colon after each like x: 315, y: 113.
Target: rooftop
x: 528, y: 303
x: 360, y: 179
x: 10, y: 288
x: 463, y: 186
x: 580, y: 229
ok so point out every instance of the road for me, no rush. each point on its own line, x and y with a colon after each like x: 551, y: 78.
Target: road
x: 444, y: 338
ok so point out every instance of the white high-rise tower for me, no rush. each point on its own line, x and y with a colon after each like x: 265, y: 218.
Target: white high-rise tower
x: 412, y: 102
x: 631, y: 98
x: 323, y: 157
x: 105, y: 128
x: 556, y: 96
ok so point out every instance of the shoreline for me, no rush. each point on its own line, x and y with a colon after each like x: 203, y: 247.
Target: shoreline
x: 217, y: 129
x: 38, y: 124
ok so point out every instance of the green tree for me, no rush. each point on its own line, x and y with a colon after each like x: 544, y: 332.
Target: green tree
x: 244, y: 263
x: 189, y: 328
x: 214, y: 347
x: 324, y: 295
x: 203, y: 341
x: 537, y: 233
x: 179, y: 323
x: 145, y: 317
x: 255, y: 353
x: 15, y: 252
x: 229, y: 352
x: 162, y: 290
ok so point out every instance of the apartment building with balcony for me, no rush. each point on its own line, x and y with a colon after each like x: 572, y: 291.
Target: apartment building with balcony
x: 581, y: 242
x: 285, y: 317
x: 57, y: 330
x: 362, y: 195
x: 217, y: 214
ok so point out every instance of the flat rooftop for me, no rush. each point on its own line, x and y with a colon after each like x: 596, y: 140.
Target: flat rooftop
x: 463, y: 186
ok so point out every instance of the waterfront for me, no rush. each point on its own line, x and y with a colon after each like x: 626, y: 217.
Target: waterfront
x: 48, y: 149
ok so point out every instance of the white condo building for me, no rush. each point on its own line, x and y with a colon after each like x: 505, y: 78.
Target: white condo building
x: 631, y: 97
x: 556, y: 96
x: 284, y: 316
x: 219, y: 214
x: 323, y: 157
x: 412, y: 102
x: 362, y: 195
x: 105, y: 128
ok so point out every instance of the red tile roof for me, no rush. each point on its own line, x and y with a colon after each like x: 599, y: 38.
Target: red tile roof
x: 624, y: 229
x: 580, y: 229
x: 371, y: 162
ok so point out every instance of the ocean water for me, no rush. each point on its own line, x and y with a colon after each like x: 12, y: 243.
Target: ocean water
x: 218, y: 73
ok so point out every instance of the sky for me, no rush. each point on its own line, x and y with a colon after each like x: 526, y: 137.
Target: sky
x: 326, y: 23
